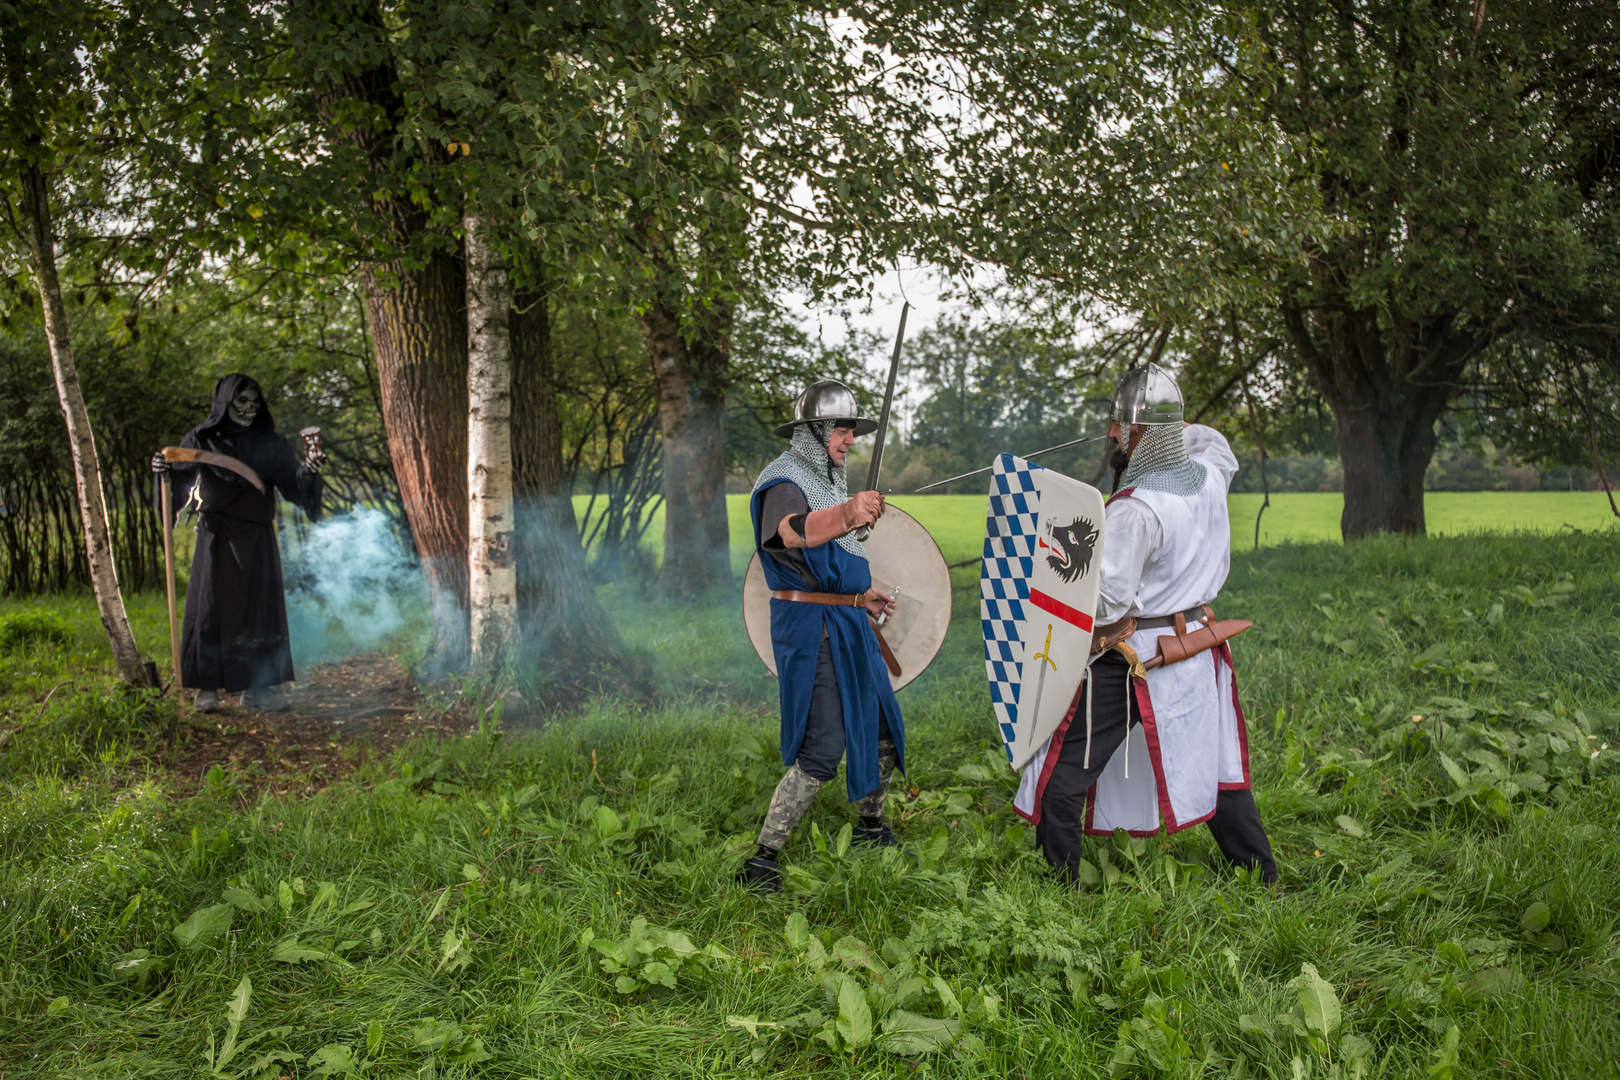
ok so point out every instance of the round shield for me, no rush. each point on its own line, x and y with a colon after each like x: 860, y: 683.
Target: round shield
x: 903, y: 557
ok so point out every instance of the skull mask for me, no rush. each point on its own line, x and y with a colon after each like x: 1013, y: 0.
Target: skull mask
x: 244, y: 407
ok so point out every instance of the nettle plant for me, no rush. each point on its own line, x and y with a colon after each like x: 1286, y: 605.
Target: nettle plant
x: 650, y: 956
x: 887, y: 999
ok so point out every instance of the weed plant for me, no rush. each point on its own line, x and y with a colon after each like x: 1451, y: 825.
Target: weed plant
x: 1430, y: 726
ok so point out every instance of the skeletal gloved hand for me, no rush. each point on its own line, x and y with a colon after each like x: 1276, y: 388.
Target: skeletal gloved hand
x: 315, y: 461
x: 159, y: 464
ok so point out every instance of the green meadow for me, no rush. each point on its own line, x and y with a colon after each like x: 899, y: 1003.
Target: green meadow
x: 957, y: 521
x: 1434, y: 727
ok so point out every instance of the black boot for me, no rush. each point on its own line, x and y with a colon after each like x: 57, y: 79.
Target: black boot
x: 879, y: 835
x: 761, y: 875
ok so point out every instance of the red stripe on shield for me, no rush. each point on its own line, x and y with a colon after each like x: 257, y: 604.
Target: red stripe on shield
x: 1058, y: 608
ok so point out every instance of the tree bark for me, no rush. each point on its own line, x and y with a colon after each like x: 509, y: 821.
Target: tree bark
x: 419, y: 337
x: 81, y: 440
x: 1388, y: 388
x: 692, y: 373
x: 561, y: 618
x: 491, y: 570
x: 415, y: 304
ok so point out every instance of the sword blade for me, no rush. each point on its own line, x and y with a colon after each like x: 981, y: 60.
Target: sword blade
x: 876, y: 471
x: 1040, y: 686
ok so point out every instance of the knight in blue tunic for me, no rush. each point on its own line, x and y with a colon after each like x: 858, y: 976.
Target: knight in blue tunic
x: 836, y: 697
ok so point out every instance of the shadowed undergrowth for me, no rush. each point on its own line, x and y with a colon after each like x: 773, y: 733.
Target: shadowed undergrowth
x: 1429, y: 726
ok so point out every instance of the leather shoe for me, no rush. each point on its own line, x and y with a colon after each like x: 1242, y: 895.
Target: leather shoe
x: 761, y: 875
x: 881, y: 836
x: 206, y: 701
x: 263, y: 699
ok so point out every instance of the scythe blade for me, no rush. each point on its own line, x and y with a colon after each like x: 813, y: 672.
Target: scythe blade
x: 181, y: 455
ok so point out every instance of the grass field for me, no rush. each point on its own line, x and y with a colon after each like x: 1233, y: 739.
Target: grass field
x: 1430, y: 727
x: 957, y: 521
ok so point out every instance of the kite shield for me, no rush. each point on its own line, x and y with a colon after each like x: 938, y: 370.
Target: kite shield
x: 1037, y: 593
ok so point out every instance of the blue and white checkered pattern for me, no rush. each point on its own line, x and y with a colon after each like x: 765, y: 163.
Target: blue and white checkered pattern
x: 1009, y: 560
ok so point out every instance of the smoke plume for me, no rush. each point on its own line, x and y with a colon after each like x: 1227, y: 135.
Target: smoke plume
x: 351, y: 587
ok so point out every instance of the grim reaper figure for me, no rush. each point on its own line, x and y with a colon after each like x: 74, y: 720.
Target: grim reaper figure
x: 234, y: 638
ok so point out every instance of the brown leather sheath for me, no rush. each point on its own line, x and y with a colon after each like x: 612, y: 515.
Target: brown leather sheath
x: 843, y: 600
x: 1173, y: 648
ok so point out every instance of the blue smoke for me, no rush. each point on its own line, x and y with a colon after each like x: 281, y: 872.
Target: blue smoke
x: 351, y: 587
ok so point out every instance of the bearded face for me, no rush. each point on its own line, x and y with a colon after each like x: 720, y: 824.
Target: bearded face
x: 244, y: 407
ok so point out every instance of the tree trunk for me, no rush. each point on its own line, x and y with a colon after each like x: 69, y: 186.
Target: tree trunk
x: 415, y: 309
x: 562, y: 620
x: 36, y: 209
x: 492, y: 575
x: 692, y: 380
x: 1388, y: 388
x: 419, y: 337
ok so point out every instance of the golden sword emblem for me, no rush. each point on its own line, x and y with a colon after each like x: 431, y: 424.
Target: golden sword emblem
x: 1043, y: 659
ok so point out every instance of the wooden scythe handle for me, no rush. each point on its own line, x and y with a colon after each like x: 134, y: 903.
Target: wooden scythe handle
x: 168, y: 573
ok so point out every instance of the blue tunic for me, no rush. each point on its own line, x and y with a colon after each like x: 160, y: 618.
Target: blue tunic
x: 863, y: 680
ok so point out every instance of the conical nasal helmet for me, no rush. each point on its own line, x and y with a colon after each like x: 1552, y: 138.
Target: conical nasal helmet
x: 827, y: 399
x: 1147, y: 395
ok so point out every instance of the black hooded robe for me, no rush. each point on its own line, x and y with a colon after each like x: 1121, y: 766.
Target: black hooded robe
x: 235, y: 632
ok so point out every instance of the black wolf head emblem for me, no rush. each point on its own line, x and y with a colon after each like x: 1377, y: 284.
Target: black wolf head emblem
x: 1069, y: 548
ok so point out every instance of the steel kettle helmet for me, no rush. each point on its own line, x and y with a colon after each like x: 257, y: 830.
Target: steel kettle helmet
x: 827, y: 399
x: 1148, y: 395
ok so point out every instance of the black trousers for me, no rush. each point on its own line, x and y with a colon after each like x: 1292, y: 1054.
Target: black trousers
x: 1236, y: 824
x: 823, y: 746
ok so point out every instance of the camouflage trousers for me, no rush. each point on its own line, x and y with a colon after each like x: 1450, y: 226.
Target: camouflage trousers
x: 797, y: 790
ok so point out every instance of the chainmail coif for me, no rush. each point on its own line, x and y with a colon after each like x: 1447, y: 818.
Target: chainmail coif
x: 808, y: 465
x: 1160, y: 463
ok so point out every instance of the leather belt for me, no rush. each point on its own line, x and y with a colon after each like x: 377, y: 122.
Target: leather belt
x: 843, y: 600
x: 831, y: 599
x: 1159, y: 622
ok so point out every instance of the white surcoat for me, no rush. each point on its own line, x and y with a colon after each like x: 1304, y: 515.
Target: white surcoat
x: 1161, y: 554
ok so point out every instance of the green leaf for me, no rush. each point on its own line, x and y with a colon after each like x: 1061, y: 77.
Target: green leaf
x: 854, y: 952
x: 1454, y: 771
x: 608, y: 824
x: 244, y: 900
x: 908, y: 1033
x: 1317, y: 1001
x: 137, y: 964
x: 204, y: 926
x: 1351, y: 826
x: 1445, y: 1059
x: 797, y: 930
x: 841, y: 845
x: 235, y: 1013
x: 374, y: 1038
x: 854, y: 1016
x: 1535, y: 917
x: 292, y: 951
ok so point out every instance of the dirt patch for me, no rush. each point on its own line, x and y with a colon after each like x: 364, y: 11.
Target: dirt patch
x: 342, y: 715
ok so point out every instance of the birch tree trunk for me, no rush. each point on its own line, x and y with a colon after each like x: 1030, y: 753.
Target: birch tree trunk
x: 491, y: 566
x: 81, y: 440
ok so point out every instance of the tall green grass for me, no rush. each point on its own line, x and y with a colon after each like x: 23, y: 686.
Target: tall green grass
x: 470, y: 909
